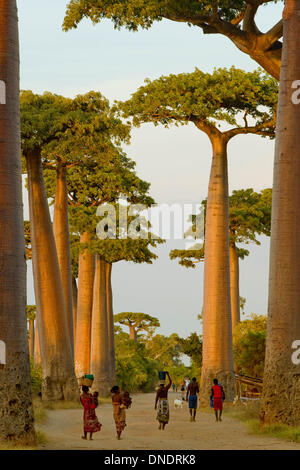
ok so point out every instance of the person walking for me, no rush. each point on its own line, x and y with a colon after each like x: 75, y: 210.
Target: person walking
x: 192, y: 398
x: 120, y: 404
x: 90, y: 420
x: 218, y: 396
x: 182, y: 389
x: 163, y: 413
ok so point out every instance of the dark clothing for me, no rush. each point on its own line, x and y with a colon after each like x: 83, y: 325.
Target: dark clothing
x: 193, y: 401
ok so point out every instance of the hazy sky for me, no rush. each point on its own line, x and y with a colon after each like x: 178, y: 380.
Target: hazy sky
x: 175, y: 161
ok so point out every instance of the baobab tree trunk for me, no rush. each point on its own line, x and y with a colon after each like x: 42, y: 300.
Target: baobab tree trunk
x: 37, y: 350
x: 31, y: 338
x: 86, y: 274
x: 74, y: 303
x: 59, y: 381
x: 99, y: 344
x: 62, y: 241
x: 281, y: 391
x: 16, y: 422
x: 132, y: 333
x: 110, y: 325
x: 234, y: 285
x: 217, y: 329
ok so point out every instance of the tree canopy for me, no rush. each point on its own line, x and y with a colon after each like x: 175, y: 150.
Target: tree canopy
x: 137, y: 321
x: 249, y: 216
x: 235, y: 20
x: 68, y: 130
x: 249, y: 342
x: 245, y: 100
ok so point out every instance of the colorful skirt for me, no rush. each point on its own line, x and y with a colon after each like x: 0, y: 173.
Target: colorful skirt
x: 120, y: 418
x: 163, y: 413
x: 91, y: 423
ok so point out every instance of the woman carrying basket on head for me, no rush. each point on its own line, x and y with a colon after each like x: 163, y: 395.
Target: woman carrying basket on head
x: 163, y: 413
x: 90, y: 420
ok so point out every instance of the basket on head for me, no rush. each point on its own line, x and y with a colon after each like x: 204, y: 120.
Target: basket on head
x: 162, y: 376
x: 87, y: 380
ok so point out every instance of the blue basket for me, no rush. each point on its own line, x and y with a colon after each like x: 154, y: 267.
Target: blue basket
x: 162, y: 375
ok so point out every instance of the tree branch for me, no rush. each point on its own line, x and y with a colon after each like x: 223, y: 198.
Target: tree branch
x: 274, y: 33
x: 260, y: 129
x: 205, y: 126
x: 249, y: 24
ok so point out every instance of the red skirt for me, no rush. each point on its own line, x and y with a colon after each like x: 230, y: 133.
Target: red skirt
x: 218, y: 404
x: 90, y: 422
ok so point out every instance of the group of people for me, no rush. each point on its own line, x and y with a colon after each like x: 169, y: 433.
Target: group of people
x: 89, y: 401
x: 217, y: 398
x: 122, y: 401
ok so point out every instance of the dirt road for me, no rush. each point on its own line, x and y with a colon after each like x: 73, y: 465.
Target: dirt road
x: 63, y: 430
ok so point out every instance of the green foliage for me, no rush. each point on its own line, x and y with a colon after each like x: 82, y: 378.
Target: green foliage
x: 249, y: 342
x: 138, y: 363
x: 207, y: 99
x: 31, y: 312
x: 63, y: 129
x: 165, y: 350
x: 36, y: 377
x: 135, y: 370
x: 27, y: 236
x: 192, y: 347
x: 249, y: 216
x: 133, y: 14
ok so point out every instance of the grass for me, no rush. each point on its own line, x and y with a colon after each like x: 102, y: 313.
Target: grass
x: 249, y: 414
x: 61, y: 405
x: 39, y: 410
x: 41, y: 437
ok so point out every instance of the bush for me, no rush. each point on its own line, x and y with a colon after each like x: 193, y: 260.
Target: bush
x: 36, y: 378
x: 135, y: 371
x: 249, y: 343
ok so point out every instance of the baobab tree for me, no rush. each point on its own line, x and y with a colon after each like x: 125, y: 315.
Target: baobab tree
x: 16, y: 423
x: 249, y: 216
x: 235, y: 20
x: 90, y: 185
x: 99, y: 323
x: 87, y: 127
x: 208, y: 100
x: 43, y: 118
x: 281, y: 391
x: 137, y: 322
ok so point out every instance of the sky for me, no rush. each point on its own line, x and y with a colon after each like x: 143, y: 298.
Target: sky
x: 175, y: 161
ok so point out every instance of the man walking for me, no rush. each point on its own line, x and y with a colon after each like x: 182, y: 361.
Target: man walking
x: 218, y: 396
x: 191, y: 396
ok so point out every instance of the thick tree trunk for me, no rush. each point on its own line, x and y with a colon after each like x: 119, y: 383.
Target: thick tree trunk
x: 74, y: 303
x: 234, y: 285
x: 37, y: 350
x: 132, y: 333
x: 99, y: 344
x: 16, y: 421
x: 110, y: 324
x: 31, y: 338
x: 281, y: 391
x: 86, y: 274
x: 217, y: 329
x: 59, y: 381
x: 62, y: 241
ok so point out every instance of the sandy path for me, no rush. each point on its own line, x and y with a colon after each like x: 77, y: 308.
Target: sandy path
x: 63, y: 430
